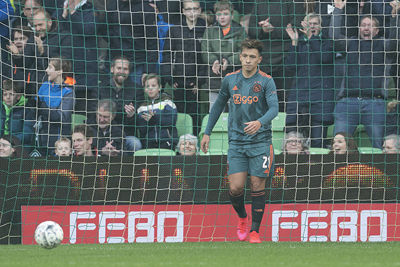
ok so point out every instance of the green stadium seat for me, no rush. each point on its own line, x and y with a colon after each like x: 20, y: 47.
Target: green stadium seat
x: 220, y: 126
x: 155, y: 152
x: 77, y: 119
x: 369, y: 150
x: 278, y: 130
x: 317, y: 150
x: 361, y: 137
x: 184, y: 124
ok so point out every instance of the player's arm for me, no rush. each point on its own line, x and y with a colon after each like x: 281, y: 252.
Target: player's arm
x: 272, y: 101
x: 215, y: 112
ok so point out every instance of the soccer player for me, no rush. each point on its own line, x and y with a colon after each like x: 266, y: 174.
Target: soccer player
x: 253, y: 105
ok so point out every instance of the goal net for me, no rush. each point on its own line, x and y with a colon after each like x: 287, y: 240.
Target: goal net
x: 105, y: 103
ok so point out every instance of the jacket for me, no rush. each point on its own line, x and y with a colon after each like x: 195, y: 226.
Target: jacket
x: 216, y: 46
x: 55, y: 107
x: 182, y: 53
x: 160, y: 130
x: 277, y: 42
x: 366, y: 60
x: 18, y: 120
x: 312, y: 63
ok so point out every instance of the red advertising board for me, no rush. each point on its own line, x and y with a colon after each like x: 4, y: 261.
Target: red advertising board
x: 206, y: 223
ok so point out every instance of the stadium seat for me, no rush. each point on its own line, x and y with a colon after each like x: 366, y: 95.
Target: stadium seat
x: 155, y: 152
x: 184, y: 124
x: 220, y: 126
x: 361, y: 137
x: 369, y: 150
x: 278, y: 130
x: 77, y: 119
x: 317, y: 150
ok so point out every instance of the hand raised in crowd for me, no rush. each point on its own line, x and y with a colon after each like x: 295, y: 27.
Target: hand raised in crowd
x: 69, y: 8
x: 130, y: 110
x: 216, y: 67
x: 293, y: 34
x: 194, y: 88
x: 266, y: 25
x: 252, y: 127
x: 395, y: 7
x: 39, y: 44
x: 147, y: 115
x: 224, y: 64
x: 109, y: 149
x: 305, y: 30
x: 340, y: 4
x: 13, y: 48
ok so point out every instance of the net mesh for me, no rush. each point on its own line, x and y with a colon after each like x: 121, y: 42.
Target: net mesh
x: 104, y: 104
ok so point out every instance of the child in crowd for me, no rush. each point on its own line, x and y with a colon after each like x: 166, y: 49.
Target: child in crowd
x: 157, y: 116
x: 17, y: 113
x: 221, y: 46
x: 63, y: 147
x: 55, y: 104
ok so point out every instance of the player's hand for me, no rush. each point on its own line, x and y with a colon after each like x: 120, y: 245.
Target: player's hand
x: 266, y: 26
x: 216, y: 67
x: 204, y: 143
x: 130, y: 110
x: 252, y: 127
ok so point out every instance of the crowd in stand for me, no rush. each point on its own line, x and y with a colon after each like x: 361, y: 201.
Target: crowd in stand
x: 114, y: 61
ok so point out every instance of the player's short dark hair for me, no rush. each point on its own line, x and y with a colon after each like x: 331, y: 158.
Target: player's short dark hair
x: 16, y: 87
x: 85, y: 130
x: 252, y: 44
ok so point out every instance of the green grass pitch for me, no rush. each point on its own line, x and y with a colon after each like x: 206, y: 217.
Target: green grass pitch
x: 205, y: 254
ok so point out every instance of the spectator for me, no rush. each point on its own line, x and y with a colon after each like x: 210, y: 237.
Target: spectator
x: 55, y: 103
x: 123, y: 92
x: 17, y: 113
x: 187, y: 145
x: 10, y: 147
x: 311, y: 98
x: 82, y: 141
x: 362, y: 98
x: 63, y: 147
x: 21, y: 38
x: 182, y: 61
x: 6, y: 11
x: 342, y: 143
x: 132, y: 27
x: 391, y: 144
x: 108, y: 136
x: 267, y: 24
x: 221, y: 46
x: 157, y: 116
x: 79, y: 18
x: 50, y: 42
x: 294, y: 144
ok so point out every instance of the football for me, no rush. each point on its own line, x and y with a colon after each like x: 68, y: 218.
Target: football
x: 49, y: 234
